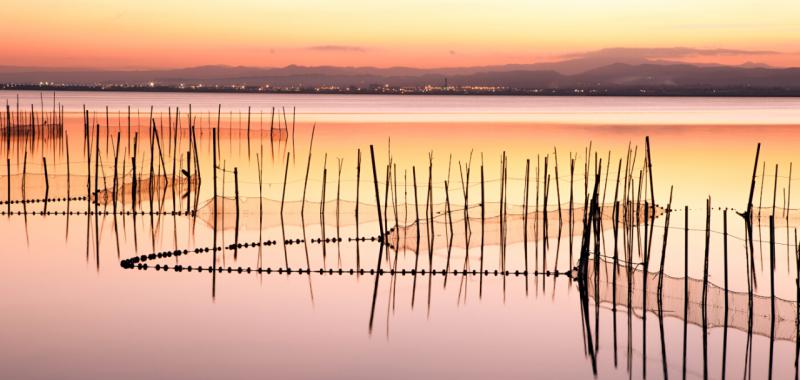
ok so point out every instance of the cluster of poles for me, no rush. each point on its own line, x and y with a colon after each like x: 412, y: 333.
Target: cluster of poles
x: 168, y: 166
x: 32, y: 126
x: 590, y: 256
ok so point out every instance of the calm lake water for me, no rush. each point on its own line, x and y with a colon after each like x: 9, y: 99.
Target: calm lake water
x: 71, y: 309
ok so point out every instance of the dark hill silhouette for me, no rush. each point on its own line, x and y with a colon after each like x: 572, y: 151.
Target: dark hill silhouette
x: 684, y: 75
x: 545, y: 75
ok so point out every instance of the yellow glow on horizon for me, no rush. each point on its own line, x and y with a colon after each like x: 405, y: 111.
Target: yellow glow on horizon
x: 132, y: 34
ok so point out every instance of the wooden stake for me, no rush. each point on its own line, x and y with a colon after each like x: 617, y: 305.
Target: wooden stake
x: 377, y: 200
x: 116, y: 164
x: 706, y: 252
x: 571, y: 220
x: 725, y: 251
x: 308, y: 168
x: 66, y: 138
x: 558, y: 191
x: 664, y: 247
x: 483, y: 213
x: 46, y: 179
x: 8, y: 180
x: 650, y: 170
x: 236, y: 191
x: 771, y: 288
x: 416, y: 213
x: 358, y: 190
x: 214, y: 163
x: 749, y: 212
x: 283, y: 198
x: 525, y: 211
x: 188, y: 180
x: 248, y: 131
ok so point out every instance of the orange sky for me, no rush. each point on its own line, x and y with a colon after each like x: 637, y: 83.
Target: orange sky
x: 420, y: 33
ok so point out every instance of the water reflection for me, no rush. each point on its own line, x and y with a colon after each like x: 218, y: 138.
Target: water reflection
x: 403, y: 254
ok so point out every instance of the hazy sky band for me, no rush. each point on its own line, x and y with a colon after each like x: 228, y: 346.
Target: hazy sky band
x: 429, y: 33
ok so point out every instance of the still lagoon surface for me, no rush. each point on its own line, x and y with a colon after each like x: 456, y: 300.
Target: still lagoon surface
x: 477, y: 185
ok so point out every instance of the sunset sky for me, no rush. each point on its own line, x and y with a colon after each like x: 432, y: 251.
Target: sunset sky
x: 418, y: 33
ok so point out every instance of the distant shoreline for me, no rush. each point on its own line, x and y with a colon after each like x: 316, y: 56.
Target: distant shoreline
x: 743, y: 92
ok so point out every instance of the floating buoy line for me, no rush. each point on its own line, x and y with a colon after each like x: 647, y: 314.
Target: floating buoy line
x: 141, y: 262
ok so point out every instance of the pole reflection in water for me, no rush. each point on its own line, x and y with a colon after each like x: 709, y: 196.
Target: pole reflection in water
x: 606, y: 268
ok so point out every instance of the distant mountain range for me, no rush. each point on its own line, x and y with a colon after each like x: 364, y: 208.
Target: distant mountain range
x: 573, y: 73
